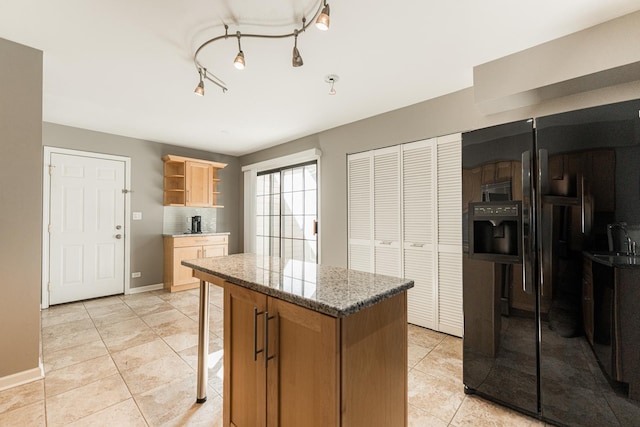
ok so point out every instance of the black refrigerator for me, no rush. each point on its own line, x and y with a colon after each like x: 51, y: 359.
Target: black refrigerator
x: 551, y: 276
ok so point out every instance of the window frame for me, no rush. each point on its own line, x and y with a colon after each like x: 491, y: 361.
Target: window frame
x: 250, y: 174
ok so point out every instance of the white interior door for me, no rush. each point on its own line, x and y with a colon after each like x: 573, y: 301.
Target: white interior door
x: 87, y: 219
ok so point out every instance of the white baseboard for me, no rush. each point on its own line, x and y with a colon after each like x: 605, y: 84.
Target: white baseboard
x: 147, y: 288
x: 23, y: 377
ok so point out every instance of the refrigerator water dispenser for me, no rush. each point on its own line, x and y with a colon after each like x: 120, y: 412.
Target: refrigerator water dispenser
x: 495, y: 231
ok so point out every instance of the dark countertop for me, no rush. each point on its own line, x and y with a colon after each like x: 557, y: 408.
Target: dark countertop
x: 335, y: 291
x: 615, y: 260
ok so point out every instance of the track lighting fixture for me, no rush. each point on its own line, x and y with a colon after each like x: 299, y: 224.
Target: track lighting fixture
x: 323, y: 21
x: 200, y: 88
x: 321, y: 18
x: 239, y: 61
x: 332, y: 79
x: 296, y: 60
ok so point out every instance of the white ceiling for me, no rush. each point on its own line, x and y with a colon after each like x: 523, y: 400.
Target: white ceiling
x: 126, y: 66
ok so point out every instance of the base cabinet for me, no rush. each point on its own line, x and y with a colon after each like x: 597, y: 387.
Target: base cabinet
x: 177, y: 249
x: 286, y: 365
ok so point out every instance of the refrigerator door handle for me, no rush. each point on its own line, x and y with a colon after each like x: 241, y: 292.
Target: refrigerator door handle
x: 527, y: 285
x: 543, y: 171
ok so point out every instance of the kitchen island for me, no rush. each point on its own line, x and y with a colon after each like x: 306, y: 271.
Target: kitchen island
x: 306, y: 344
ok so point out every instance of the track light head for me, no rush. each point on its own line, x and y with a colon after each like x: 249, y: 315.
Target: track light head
x: 200, y: 88
x: 239, y: 61
x: 323, y: 21
x: 296, y: 59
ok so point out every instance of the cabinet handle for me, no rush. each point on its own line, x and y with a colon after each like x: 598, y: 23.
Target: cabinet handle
x: 266, y: 339
x: 256, y: 313
x: 188, y: 196
x: 417, y: 245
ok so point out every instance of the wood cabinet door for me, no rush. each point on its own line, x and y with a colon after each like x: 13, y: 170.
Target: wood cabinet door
x: 503, y: 171
x: 489, y: 173
x: 245, y: 392
x: 302, y: 377
x: 199, y: 182
x: 214, y: 250
x: 471, y: 187
x: 587, y: 300
x: 183, y: 275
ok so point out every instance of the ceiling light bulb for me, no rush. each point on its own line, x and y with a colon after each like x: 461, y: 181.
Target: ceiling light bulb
x: 200, y: 89
x: 239, y: 61
x: 323, y: 21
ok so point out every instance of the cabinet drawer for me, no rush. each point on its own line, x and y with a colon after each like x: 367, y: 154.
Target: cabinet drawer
x: 181, y: 242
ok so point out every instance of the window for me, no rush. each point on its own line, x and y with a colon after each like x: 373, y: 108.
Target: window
x: 286, y: 212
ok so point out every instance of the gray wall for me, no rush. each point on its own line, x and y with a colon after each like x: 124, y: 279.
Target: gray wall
x: 147, y: 186
x: 455, y: 112
x: 21, y: 201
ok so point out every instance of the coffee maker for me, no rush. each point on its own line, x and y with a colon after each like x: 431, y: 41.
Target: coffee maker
x: 196, y: 224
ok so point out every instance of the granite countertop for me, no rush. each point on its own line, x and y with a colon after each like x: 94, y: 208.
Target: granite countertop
x: 337, y: 292
x: 616, y: 260
x: 222, y: 233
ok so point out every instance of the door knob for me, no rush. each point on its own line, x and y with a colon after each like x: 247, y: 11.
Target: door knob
x: 118, y: 227
x: 118, y: 236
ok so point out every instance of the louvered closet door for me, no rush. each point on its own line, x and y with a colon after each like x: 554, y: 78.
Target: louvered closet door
x: 449, y: 238
x: 418, y: 232
x: 360, y: 207
x: 386, y: 217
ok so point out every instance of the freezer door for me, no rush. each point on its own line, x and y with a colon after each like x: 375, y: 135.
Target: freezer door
x: 500, y: 344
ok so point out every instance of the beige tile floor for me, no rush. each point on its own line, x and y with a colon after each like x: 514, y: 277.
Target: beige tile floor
x: 131, y: 361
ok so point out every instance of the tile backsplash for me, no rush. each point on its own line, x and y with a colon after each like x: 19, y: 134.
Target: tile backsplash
x: 177, y: 219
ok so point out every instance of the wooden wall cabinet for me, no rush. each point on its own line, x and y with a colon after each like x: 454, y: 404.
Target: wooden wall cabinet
x: 191, y: 182
x: 316, y: 370
x: 177, y: 249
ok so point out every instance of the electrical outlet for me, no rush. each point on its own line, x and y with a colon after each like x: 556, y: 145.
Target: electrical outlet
x: 136, y: 274
x: 137, y: 216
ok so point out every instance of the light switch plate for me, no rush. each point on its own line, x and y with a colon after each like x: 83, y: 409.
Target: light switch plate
x: 137, y: 216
